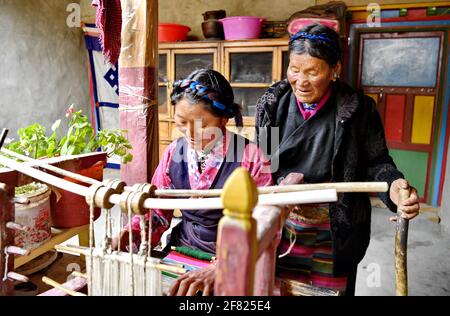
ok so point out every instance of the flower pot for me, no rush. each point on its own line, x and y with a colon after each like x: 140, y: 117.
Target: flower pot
x: 69, y: 209
x: 35, y: 216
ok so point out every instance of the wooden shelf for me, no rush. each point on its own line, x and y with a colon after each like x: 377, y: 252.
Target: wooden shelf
x: 58, y: 236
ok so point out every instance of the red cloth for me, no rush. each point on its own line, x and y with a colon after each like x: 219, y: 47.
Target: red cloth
x: 108, y: 19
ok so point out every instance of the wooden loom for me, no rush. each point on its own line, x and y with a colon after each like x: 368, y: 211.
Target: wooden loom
x: 250, y: 220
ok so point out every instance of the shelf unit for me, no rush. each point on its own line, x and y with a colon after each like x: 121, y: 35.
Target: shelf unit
x: 251, y: 66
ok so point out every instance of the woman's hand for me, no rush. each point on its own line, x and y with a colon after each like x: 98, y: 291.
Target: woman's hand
x: 124, y: 241
x: 293, y: 178
x: 191, y: 282
x: 409, y: 207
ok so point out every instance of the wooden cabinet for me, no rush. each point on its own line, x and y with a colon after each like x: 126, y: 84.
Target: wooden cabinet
x: 251, y: 66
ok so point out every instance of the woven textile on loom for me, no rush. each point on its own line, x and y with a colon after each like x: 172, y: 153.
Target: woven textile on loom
x: 182, y: 260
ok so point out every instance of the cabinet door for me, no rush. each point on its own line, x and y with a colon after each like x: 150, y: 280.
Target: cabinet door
x: 284, y: 55
x: 187, y: 60
x: 250, y: 71
x: 163, y: 83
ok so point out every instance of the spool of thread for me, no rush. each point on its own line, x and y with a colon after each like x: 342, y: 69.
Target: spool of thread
x: 194, y: 253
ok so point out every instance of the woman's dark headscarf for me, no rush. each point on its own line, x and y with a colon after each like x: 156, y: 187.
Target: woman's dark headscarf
x: 317, y: 41
x: 211, y: 89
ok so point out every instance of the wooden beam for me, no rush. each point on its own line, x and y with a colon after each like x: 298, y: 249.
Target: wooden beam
x: 403, y: 6
x: 6, y: 237
x: 236, y: 240
x: 58, y: 236
x: 138, y: 82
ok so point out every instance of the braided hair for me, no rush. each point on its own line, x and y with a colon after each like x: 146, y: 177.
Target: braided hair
x: 210, y: 89
x: 318, y: 41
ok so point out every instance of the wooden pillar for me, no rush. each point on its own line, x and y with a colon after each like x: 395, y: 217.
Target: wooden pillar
x: 265, y: 270
x: 138, y: 83
x: 236, y: 240
x: 6, y: 237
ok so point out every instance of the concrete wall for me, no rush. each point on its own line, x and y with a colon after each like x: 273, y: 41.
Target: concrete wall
x: 190, y: 12
x: 42, y: 63
x: 445, y: 205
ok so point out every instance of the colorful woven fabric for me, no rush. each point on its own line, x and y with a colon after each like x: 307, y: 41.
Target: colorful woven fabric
x: 310, y: 260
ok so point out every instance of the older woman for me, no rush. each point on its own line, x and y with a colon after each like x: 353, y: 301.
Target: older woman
x: 328, y: 133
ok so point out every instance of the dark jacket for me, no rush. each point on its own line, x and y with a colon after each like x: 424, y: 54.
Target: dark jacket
x: 360, y: 154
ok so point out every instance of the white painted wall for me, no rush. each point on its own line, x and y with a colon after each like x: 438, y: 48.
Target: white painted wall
x: 42, y: 63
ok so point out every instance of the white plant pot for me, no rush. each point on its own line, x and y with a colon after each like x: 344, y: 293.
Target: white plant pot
x: 35, y: 216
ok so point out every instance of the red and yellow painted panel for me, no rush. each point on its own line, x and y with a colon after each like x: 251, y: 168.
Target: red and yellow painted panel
x: 394, y: 117
x: 422, y: 119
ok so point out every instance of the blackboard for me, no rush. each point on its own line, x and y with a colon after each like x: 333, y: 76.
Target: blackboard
x: 400, y: 62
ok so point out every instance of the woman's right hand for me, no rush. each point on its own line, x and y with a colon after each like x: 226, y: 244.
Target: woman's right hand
x: 124, y: 241
x: 293, y: 178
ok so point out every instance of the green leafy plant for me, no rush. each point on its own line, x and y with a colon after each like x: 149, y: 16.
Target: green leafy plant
x: 80, y: 138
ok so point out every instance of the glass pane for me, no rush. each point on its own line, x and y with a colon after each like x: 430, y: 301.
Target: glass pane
x: 251, y: 67
x: 187, y: 63
x: 162, y: 75
x: 162, y: 100
x: 400, y: 62
x: 285, y: 64
x: 247, y: 98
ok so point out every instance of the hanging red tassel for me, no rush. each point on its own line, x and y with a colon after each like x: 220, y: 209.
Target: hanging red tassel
x: 108, y: 19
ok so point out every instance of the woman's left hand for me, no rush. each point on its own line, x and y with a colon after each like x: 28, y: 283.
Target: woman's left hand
x: 409, y: 207
x: 193, y: 281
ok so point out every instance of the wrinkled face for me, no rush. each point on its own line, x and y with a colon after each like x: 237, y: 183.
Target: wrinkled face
x: 309, y: 77
x: 198, y: 125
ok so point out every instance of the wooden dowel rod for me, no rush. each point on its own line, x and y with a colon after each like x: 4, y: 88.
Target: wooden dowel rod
x: 44, y: 177
x: 21, y: 200
x: 401, y: 247
x: 207, y: 203
x: 119, y: 256
x: 15, y: 226
x: 17, y: 251
x: 315, y: 196
x: 338, y: 186
x: 3, y: 136
x: 17, y: 277
x: 59, y: 286
x: 305, y: 197
x: 79, y: 274
x: 57, y: 170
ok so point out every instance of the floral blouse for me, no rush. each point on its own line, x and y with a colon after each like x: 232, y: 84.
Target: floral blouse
x: 201, y: 177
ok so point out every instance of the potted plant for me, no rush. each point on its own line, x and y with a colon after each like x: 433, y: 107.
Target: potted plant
x: 82, y: 144
x: 80, y: 138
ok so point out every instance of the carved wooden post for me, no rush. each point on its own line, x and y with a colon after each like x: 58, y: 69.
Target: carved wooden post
x: 265, y: 270
x: 138, y: 84
x: 401, y: 244
x: 236, y: 240
x: 6, y: 239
